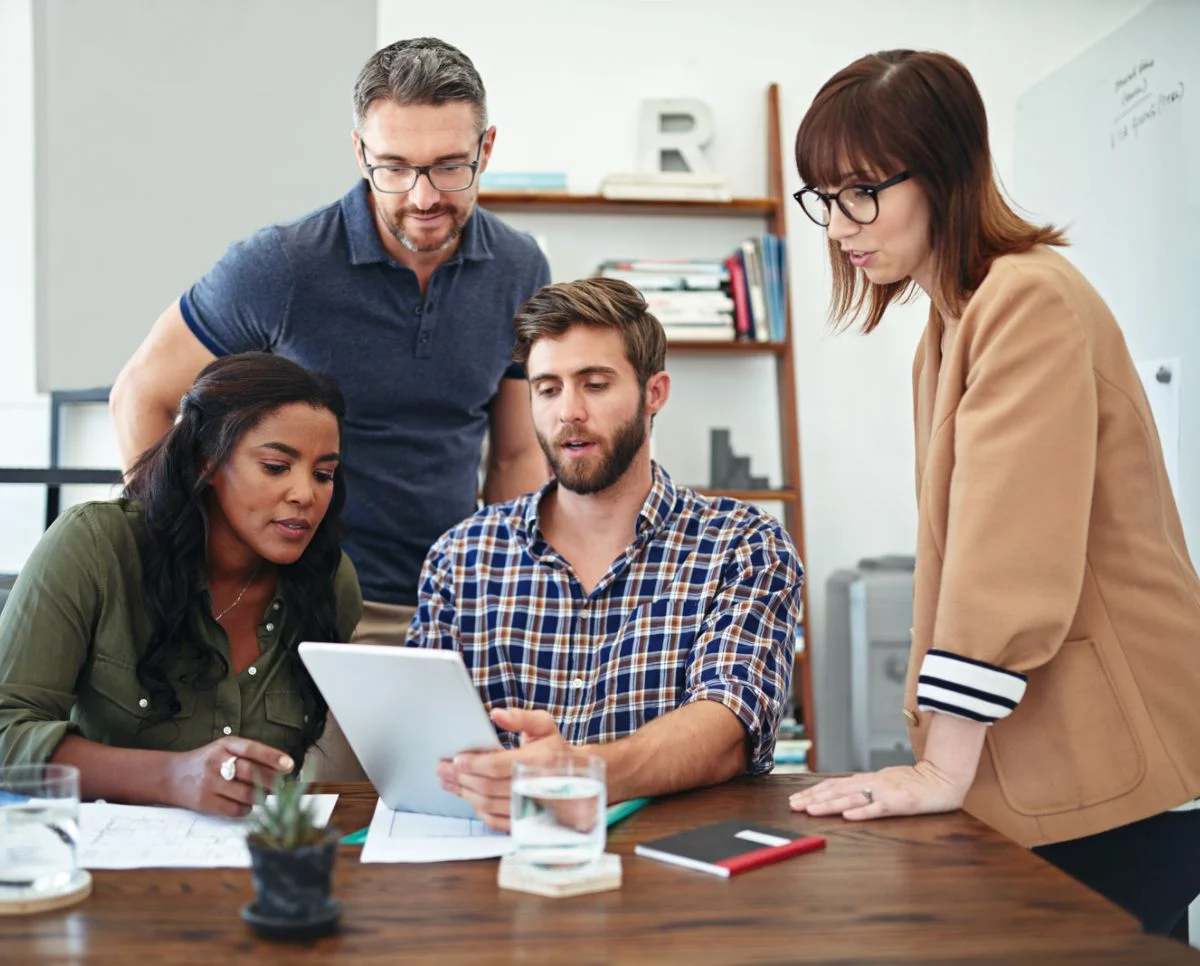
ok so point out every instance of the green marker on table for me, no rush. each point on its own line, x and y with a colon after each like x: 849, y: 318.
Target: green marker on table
x: 616, y: 813
x: 624, y: 809
x: 355, y: 838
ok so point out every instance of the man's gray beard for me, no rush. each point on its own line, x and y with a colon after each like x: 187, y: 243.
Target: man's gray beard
x: 412, y: 246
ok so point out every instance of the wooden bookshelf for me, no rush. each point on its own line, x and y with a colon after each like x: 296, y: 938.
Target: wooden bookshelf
x: 753, y: 496
x: 560, y: 202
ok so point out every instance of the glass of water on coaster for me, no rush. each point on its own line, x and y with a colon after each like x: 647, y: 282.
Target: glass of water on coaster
x: 39, y: 835
x: 558, y: 814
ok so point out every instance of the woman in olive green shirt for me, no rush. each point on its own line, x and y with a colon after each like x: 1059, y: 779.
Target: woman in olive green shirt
x: 151, y: 640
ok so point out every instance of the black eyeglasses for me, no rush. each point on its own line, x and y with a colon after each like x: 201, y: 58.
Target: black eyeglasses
x: 857, y: 201
x: 396, y: 179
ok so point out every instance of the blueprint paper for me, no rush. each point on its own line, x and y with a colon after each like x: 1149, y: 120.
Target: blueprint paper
x: 153, y: 837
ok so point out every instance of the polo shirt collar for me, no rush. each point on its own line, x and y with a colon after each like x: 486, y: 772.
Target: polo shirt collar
x: 363, y: 235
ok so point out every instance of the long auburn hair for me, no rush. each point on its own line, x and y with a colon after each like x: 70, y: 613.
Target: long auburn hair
x: 918, y: 111
x: 171, y: 482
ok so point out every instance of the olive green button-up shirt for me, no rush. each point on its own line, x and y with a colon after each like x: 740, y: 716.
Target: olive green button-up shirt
x: 75, y: 626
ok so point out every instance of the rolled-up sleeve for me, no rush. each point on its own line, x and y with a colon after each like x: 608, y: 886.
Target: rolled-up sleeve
x: 45, y: 635
x: 742, y: 657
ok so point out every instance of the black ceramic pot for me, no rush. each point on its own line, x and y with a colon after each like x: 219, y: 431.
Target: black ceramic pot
x: 292, y: 888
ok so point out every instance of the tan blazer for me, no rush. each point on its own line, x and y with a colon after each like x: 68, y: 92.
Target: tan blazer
x: 1049, y: 544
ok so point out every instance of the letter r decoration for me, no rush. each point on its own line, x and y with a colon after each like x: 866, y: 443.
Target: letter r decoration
x: 673, y: 132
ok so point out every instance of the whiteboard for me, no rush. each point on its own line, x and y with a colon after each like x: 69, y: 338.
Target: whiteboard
x: 163, y: 132
x: 1109, y: 147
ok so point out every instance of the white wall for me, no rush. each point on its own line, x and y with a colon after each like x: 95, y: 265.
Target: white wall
x: 563, y: 104
x: 23, y: 418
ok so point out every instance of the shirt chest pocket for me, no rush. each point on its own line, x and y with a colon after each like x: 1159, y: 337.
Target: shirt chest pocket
x: 285, y: 709
x: 114, y: 708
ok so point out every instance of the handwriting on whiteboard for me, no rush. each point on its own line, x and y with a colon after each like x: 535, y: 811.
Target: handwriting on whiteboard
x: 1139, y: 100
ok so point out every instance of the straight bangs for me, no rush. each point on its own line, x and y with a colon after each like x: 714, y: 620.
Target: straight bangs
x: 844, y: 138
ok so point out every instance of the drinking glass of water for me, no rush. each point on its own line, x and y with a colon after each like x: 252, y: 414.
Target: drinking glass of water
x: 39, y: 830
x: 558, y: 812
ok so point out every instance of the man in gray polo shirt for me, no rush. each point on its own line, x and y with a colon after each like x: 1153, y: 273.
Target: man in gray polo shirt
x: 404, y: 291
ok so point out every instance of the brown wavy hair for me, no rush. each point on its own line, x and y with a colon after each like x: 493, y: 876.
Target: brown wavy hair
x: 601, y: 302
x: 918, y: 111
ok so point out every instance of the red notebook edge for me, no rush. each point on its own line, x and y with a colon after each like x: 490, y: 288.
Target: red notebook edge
x: 772, y: 853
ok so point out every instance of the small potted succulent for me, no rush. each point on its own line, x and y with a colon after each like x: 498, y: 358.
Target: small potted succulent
x: 292, y: 863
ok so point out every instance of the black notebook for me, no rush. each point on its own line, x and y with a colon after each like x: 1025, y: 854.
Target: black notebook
x: 727, y: 848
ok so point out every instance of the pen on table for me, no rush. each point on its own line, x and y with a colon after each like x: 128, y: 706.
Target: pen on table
x: 625, y: 809
x: 615, y: 813
x: 355, y: 838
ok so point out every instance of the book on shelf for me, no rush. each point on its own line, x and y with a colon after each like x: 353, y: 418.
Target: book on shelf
x: 665, y: 281
x: 745, y: 291
x: 667, y: 186
x: 517, y: 182
x: 687, y: 266
x: 728, y: 848
x: 682, y: 332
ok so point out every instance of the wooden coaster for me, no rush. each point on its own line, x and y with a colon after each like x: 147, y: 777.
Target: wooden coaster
x: 22, y: 907
x: 604, y: 875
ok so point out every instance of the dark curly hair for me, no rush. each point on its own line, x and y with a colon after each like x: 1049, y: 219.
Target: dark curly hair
x: 171, y: 481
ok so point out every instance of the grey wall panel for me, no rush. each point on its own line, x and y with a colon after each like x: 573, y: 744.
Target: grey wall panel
x: 166, y: 130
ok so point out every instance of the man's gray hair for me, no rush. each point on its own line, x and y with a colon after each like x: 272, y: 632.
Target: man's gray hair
x: 423, y: 70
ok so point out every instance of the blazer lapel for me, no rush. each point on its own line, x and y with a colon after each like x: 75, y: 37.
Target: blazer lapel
x: 926, y: 366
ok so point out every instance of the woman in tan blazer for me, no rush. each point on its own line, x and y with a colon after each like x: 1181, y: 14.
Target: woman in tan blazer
x: 1054, y: 682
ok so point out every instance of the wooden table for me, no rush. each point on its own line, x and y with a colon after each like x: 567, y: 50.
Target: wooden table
x: 937, y: 889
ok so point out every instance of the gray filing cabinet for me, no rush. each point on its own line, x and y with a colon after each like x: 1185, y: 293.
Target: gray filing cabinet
x: 859, y: 672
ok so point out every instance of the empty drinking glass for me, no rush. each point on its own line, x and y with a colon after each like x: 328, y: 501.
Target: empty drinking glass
x: 39, y: 829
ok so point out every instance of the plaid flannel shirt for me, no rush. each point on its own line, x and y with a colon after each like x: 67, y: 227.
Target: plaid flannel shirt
x: 704, y: 605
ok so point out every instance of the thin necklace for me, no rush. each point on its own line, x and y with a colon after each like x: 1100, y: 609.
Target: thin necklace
x: 241, y: 593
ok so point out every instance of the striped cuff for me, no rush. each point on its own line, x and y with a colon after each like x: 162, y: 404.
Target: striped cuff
x: 966, y: 688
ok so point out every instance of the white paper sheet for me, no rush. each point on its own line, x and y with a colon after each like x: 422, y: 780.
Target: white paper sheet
x: 153, y: 837
x: 414, y: 837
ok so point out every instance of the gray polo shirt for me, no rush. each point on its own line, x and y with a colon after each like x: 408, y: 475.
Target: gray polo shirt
x: 418, y: 373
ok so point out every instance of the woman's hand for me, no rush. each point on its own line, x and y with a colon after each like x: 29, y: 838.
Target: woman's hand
x: 219, y: 778
x: 919, y: 789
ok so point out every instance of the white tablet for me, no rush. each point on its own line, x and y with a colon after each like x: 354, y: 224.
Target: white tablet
x: 403, y: 709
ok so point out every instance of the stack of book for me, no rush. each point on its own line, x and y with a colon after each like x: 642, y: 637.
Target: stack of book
x: 758, y: 283
x: 667, y: 186
x: 523, y: 182
x: 689, y: 297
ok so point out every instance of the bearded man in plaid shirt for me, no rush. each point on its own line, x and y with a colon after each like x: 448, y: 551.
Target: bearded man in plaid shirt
x: 612, y: 609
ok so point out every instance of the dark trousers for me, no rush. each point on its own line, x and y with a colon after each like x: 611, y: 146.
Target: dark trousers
x: 1149, y: 868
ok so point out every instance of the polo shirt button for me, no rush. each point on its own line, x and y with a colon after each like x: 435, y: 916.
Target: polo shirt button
x: 417, y: 310
x: 270, y: 627
x: 252, y: 670
x: 143, y: 703
x: 424, y: 336
x: 227, y: 730
x: 577, y: 683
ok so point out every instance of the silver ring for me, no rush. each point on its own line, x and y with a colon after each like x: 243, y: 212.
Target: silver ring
x: 229, y: 768
x: 869, y: 796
